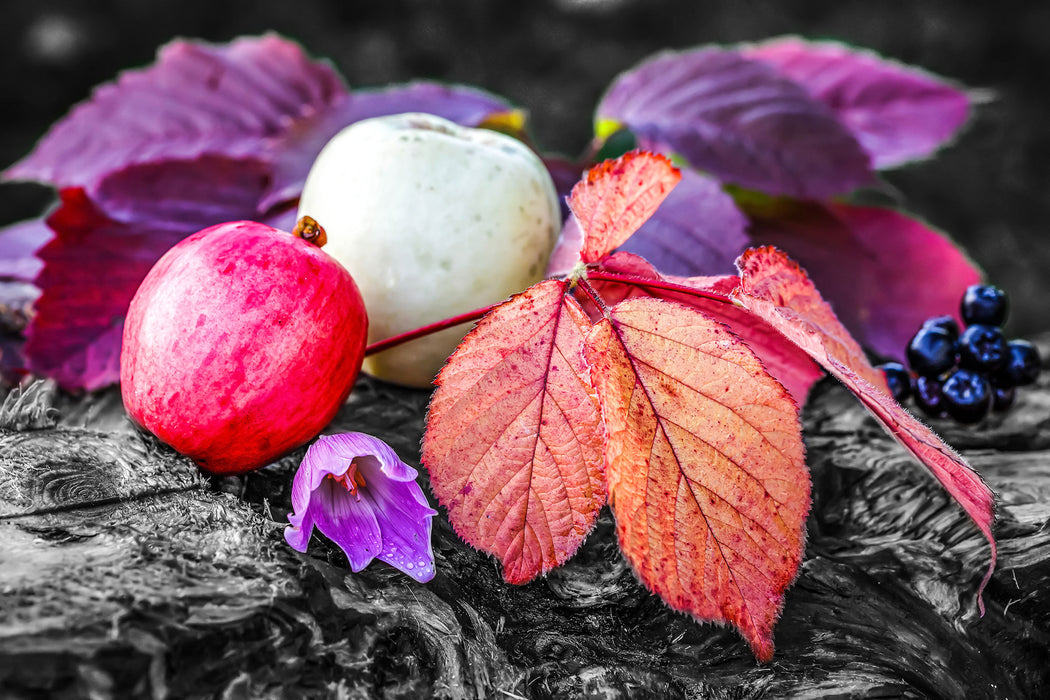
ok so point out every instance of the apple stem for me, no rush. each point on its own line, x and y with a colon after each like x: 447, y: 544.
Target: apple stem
x: 381, y: 345
x: 652, y: 283
x: 310, y: 231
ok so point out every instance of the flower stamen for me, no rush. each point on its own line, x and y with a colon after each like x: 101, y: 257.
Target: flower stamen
x: 352, y: 480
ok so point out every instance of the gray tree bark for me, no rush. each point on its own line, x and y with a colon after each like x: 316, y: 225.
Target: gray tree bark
x: 126, y: 573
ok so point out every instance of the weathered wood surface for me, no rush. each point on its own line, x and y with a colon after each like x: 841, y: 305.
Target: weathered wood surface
x: 124, y: 573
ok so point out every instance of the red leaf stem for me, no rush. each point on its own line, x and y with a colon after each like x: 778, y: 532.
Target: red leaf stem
x: 592, y: 294
x: 653, y: 283
x: 395, y: 340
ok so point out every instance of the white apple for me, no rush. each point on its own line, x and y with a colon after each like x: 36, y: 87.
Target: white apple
x: 432, y: 220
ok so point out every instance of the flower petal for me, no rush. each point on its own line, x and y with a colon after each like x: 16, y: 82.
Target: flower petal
x: 298, y: 532
x: 405, y: 520
x: 388, y: 517
x: 350, y: 446
x: 319, y: 462
x: 349, y: 522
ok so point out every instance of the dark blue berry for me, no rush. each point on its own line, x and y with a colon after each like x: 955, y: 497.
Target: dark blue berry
x: 983, y: 304
x: 1002, y: 397
x: 898, y: 379
x: 982, y: 348
x: 947, y: 323
x: 931, y: 352
x: 967, y: 396
x: 929, y: 396
x: 1021, y: 367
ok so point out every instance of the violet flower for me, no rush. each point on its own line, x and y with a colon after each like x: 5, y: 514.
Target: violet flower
x: 359, y: 494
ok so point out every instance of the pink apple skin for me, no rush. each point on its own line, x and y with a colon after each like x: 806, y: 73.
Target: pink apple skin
x: 241, y: 344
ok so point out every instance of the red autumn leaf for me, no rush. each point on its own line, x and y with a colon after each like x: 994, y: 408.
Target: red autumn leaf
x: 789, y: 364
x: 617, y: 197
x: 775, y: 289
x: 696, y: 230
x: 704, y: 463
x: 513, y: 439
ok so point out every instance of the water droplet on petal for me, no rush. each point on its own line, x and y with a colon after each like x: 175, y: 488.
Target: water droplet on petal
x: 409, y: 566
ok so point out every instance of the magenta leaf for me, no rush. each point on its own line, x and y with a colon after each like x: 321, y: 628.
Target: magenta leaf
x: 18, y: 246
x: 359, y: 494
x: 897, y: 112
x: 19, y: 265
x: 196, y: 99
x: 104, y: 247
x: 883, y: 271
x: 295, y: 151
x: 257, y: 97
x: 739, y: 120
x: 566, y: 250
x: 697, y: 230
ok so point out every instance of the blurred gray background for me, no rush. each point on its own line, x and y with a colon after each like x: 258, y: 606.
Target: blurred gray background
x: 990, y: 191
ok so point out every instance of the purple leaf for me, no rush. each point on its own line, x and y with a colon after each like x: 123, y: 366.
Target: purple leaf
x: 738, y: 120
x: 697, y: 230
x: 566, y: 251
x: 883, y: 272
x: 196, y: 99
x: 18, y: 246
x: 103, y: 248
x: 897, y: 112
x: 358, y: 493
x: 294, y: 152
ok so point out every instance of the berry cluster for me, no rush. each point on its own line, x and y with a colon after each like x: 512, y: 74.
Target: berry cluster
x: 965, y: 374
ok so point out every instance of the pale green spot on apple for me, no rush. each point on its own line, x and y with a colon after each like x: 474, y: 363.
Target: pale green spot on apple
x: 391, y: 206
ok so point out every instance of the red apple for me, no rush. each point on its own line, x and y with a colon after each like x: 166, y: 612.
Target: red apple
x: 241, y: 344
